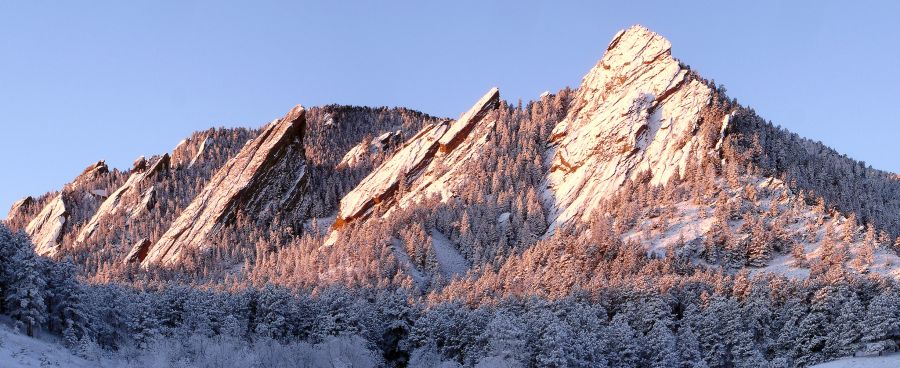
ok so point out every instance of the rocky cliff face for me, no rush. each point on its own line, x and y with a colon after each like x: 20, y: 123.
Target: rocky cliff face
x: 267, y: 176
x: 426, y: 164
x: 46, y: 229
x: 383, y: 144
x: 638, y: 110
x: 129, y: 200
x: 19, y: 207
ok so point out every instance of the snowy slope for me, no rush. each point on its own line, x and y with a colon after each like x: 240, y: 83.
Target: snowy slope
x: 19, y: 351
x: 887, y: 361
x: 452, y: 263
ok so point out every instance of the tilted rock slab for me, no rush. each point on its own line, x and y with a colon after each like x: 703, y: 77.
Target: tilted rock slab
x: 46, y: 228
x: 126, y: 200
x: 267, y: 176
x: 138, y: 251
x: 637, y: 110
x: 415, y: 163
x: 19, y: 207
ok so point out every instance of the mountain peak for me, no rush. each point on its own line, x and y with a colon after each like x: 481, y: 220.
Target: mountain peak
x: 636, y: 111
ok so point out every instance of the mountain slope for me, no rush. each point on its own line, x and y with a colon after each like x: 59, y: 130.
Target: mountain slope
x: 415, y: 164
x: 266, y: 177
x: 137, y: 195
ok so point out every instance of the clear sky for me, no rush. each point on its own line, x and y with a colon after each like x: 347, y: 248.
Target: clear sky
x: 82, y: 81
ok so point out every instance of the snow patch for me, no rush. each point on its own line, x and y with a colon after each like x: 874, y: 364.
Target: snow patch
x: 451, y: 261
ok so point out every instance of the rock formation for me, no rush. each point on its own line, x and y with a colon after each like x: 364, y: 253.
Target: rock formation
x: 267, y: 176
x: 127, y: 200
x: 636, y: 111
x: 415, y: 164
x: 46, y: 229
x: 383, y: 144
x: 200, y: 151
x: 84, y: 180
x: 20, y: 206
x: 138, y: 251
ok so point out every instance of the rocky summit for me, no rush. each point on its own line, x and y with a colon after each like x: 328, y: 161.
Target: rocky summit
x: 636, y: 111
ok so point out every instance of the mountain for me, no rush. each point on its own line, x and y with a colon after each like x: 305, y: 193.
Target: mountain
x: 446, y: 197
x: 47, y: 227
x: 644, y: 218
x: 637, y: 111
x: 133, y: 198
x: 425, y: 164
x: 266, y: 177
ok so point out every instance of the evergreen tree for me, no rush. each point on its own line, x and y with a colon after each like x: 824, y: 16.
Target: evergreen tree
x: 27, y: 288
x: 689, y: 355
x: 662, y: 347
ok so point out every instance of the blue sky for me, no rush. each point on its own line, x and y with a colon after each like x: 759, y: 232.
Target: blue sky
x: 82, y: 81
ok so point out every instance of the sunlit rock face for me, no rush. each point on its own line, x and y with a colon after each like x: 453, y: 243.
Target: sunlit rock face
x: 638, y: 110
x: 131, y: 199
x: 46, y: 229
x: 364, y: 151
x: 427, y: 164
x: 266, y: 177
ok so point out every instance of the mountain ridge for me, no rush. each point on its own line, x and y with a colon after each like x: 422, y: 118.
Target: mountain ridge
x: 640, y: 118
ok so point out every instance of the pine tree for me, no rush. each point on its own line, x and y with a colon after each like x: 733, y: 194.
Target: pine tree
x: 798, y: 255
x: 27, y: 288
x: 624, y: 344
x: 882, y: 319
x: 688, y: 349
x: 662, y: 347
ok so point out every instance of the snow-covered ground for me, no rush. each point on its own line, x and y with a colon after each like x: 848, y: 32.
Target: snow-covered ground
x: 452, y: 263
x: 887, y: 361
x: 18, y: 350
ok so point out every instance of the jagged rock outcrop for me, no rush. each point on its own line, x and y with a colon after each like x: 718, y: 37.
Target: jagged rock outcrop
x: 128, y: 199
x: 200, y: 151
x: 266, y: 177
x: 638, y: 110
x: 90, y: 174
x: 426, y: 163
x: 46, y: 229
x: 138, y: 251
x: 383, y: 144
x: 20, y: 206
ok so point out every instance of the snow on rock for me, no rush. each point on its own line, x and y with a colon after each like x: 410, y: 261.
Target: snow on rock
x: 427, y: 163
x: 459, y: 130
x: 448, y: 257
x: 267, y: 176
x: 127, y: 199
x: 636, y: 110
x: 46, y: 229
